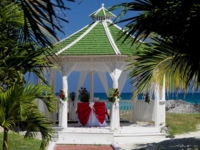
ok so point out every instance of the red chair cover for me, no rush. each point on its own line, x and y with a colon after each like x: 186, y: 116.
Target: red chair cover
x: 100, y: 111
x: 84, y: 111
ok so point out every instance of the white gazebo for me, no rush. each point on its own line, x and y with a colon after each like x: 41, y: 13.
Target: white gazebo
x: 96, y: 49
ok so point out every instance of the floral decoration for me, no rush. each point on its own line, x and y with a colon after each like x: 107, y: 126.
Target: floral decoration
x: 84, y: 95
x: 72, y: 96
x: 114, y: 95
x: 62, y: 95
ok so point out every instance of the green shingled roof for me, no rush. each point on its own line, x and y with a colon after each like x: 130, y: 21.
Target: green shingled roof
x: 126, y: 48
x: 62, y: 44
x: 95, y: 41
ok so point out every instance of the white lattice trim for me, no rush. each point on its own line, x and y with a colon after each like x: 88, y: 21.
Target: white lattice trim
x: 110, y: 38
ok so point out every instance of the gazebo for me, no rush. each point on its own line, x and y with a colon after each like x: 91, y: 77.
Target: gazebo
x: 96, y: 49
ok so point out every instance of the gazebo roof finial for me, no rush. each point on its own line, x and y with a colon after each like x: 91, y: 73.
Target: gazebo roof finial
x: 102, y: 14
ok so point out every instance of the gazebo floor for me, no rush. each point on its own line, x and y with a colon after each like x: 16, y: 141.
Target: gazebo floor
x: 75, y: 134
x: 122, y: 124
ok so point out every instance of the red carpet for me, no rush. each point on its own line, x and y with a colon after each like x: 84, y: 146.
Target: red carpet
x: 83, y: 147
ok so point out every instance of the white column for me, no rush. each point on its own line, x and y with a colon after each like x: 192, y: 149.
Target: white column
x: 67, y: 69
x: 156, y: 104
x: 115, y: 72
x: 91, y: 85
x: 115, y: 119
x: 163, y: 99
x: 64, y: 103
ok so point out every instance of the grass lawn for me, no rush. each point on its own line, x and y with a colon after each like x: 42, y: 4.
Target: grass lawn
x: 182, y: 123
x: 17, y: 142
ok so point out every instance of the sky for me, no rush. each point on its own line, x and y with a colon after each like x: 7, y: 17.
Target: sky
x: 78, y: 17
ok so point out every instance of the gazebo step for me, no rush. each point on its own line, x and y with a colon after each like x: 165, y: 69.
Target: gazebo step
x: 139, y: 130
x: 88, y: 130
x: 68, y: 137
x: 138, y: 134
x: 139, y: 138
x: 103, y: 135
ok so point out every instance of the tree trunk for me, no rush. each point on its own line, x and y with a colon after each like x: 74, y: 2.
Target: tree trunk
x: 5, y: 139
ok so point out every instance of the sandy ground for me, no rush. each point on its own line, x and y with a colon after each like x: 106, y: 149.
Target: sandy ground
x: 187, y: 141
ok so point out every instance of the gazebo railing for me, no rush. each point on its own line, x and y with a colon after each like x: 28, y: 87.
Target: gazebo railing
x: 126, y: 109
x: 144, y: 111
x: 128, y: 112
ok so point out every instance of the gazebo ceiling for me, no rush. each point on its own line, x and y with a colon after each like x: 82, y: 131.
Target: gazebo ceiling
x: 98, y: 38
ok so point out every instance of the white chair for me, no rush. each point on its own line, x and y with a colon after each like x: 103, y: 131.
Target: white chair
x: 96, y: 99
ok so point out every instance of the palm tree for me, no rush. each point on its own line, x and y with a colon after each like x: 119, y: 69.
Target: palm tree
x: 19, y: 104
x: 171, y: 24
x: 16, y: 55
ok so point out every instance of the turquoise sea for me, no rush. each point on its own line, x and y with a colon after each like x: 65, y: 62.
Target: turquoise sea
x: 190, y: 97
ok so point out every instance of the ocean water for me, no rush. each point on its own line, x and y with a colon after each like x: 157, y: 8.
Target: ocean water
x: 189, y: 97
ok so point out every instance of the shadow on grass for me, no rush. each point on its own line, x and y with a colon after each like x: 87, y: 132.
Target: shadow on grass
x: 172, y: 144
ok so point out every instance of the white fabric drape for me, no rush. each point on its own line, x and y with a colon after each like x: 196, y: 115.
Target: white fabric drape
x: 53, y: 79
x: 81, y: 81
x: 73, y: 105
x: 42, y: 106
x: 102, y: 76
x: 122, y: 81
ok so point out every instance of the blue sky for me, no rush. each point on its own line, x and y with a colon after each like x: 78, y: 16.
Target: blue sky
x: 78, y: 17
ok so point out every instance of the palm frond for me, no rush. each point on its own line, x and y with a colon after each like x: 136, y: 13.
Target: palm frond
x: 36, y: 122
x: 18, y: 104
x: 40, y: 15
x: 175, y: 21
x: 155, y: 61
